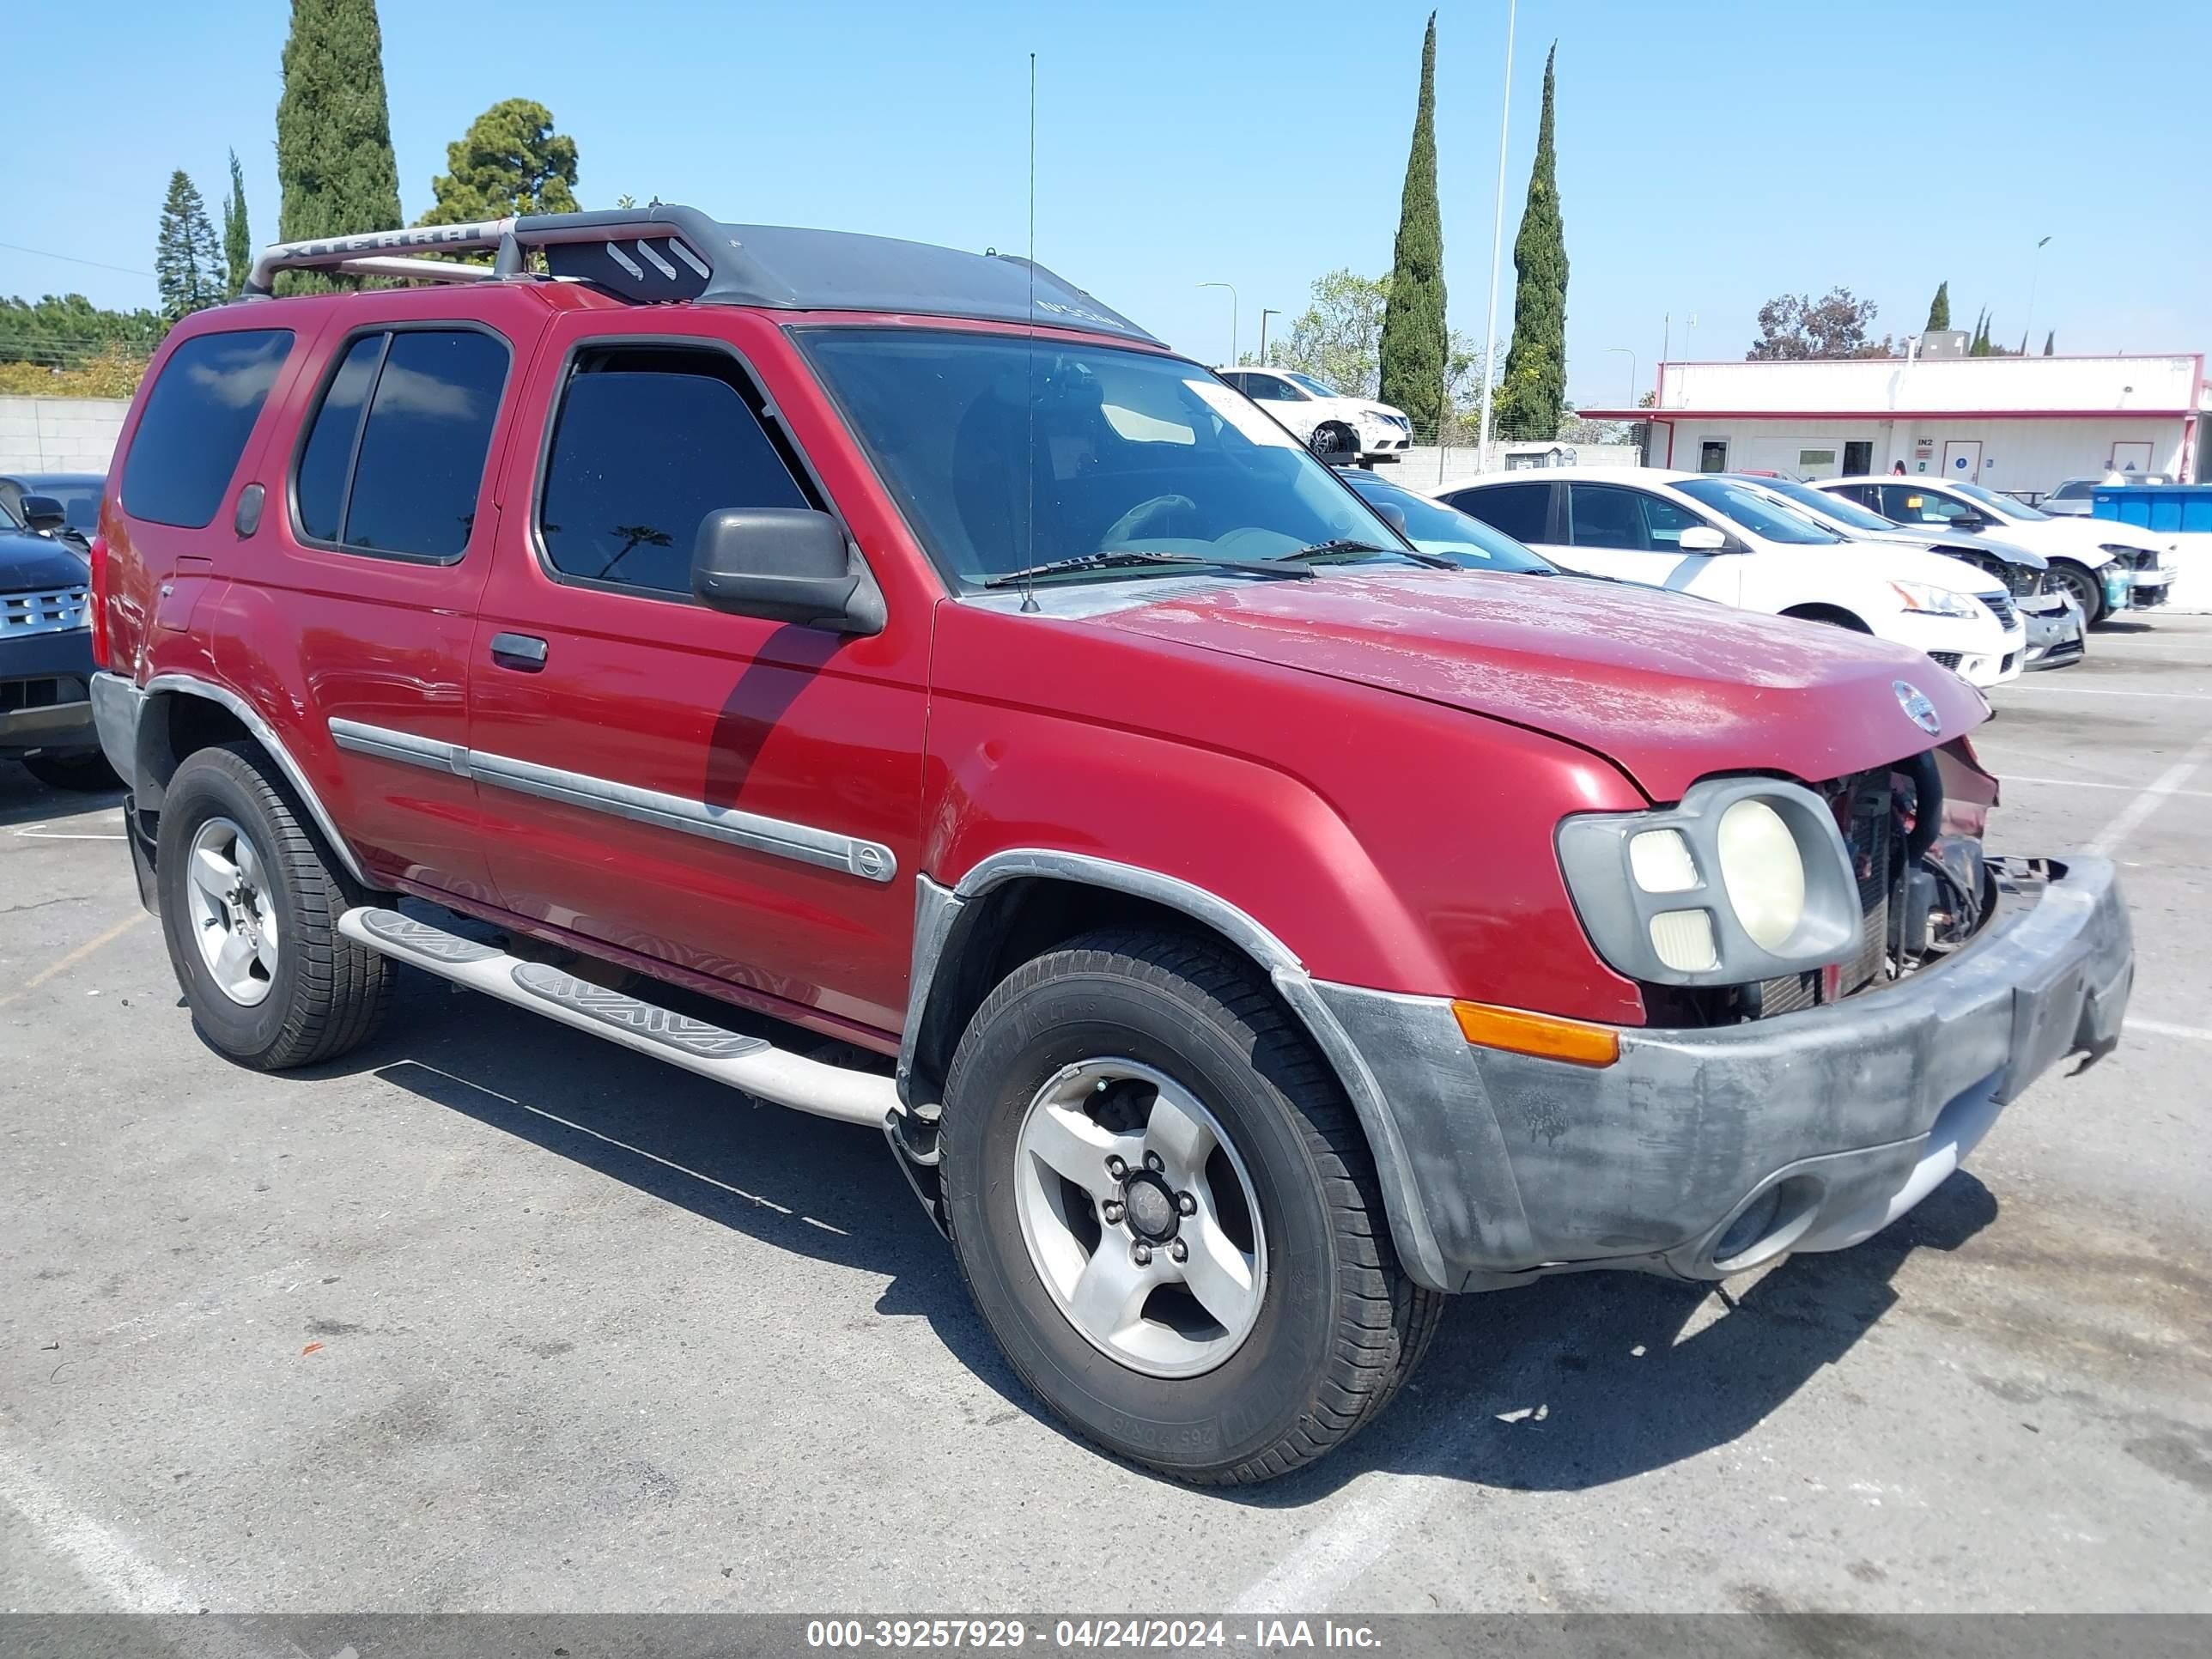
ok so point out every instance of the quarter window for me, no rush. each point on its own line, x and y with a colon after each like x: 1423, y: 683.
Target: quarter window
x: 394, y: 461
x: 197, y: 421
x: 647, y: 443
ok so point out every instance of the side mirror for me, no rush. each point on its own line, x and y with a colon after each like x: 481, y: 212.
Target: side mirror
x: 1970, y: 521
x: 1704, y: 538
x: 787, y: 564
x: 43, y: 513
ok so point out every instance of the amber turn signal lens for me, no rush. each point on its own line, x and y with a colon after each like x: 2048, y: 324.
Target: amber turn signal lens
x: 1537, y: 1034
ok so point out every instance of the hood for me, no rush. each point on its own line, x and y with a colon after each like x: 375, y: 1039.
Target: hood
x: 1916, y: 563
x: 1955, y: 545
x: 28, y: 561
x: 2083, y: 537
x: 1667, y: 686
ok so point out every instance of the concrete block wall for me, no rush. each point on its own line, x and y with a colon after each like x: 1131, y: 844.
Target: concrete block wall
x: 58, y: 435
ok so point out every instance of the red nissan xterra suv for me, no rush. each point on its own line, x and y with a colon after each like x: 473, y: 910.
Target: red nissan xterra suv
x: 1249, y: 929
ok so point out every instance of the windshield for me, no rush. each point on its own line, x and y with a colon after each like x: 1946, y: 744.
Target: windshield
x: 1126, y: 452
x: 1447, y: 531
x: 1752, y: 509
x: 1838, y: 507
x: 1319, y: 388
x: 2003, y: 505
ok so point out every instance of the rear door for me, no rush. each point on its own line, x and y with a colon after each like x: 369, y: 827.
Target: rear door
x: 1523, y: 511
x: 735, y: 797
x: 358, y: 602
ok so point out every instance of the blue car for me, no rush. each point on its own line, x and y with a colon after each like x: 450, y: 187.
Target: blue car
x: 45, y: 646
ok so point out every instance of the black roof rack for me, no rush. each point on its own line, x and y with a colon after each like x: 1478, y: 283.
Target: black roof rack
x: 662, y: 253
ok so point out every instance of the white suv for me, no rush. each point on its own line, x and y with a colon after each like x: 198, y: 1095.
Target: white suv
x: 1726, y: 540
x: 1336, y: 428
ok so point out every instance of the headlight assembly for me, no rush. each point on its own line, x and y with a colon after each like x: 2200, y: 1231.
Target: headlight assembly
x: 1747, y: 879
x: 1930, y: 600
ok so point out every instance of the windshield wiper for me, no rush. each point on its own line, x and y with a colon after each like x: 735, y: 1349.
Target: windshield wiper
x: 1353, y: 544
x: 1126, y: 557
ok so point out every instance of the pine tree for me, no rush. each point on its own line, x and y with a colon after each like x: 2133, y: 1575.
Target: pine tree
x: 1939, y: 309
x: 335, y: 169
x: 187, y: 259
x: 1415, y: 339
x: 1534, y: 392
x: 2051, y: 342
x: 237, y: 234
x: 509, y: 161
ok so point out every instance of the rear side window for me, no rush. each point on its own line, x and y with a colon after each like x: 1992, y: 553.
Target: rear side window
x: 197, y: 418
x: 647, y: 443
x: 394, y: 459
x: 1519, y: 510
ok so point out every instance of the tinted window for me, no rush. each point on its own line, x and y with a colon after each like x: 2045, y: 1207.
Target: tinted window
x: 328, y: 454
x: 2074, y: 489
x: 406, y: 482
x: 1752, y: 508
x: 1605, y: 515
x: 1447, y: 531
x: 422, y: 452
x: 1917, y: 504
x: 645, y: 446
x: 1519, y: 510
x: 1271, y: 389
x: 197, y: 418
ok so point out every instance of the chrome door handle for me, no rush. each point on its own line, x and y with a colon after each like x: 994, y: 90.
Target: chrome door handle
x: 524, y: 653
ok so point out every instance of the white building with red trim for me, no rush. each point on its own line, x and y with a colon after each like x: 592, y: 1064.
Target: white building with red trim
x: 2017, y: 424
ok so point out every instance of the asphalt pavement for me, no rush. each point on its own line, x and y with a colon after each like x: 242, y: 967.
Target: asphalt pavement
x: 490, y: 1315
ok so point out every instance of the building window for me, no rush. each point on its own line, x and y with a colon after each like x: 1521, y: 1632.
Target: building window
x: 1712, y: 455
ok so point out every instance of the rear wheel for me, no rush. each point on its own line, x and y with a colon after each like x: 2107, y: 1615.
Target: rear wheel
x: 77, y: 769
x: 250, y: 903
x: 2087, y: 591
x: 1164, y: 1208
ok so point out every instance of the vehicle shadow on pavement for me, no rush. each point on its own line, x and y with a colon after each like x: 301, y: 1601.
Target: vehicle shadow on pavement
x: 1577, y: 1382
x: 24, y: 799
x: 1565, y: 1384
x: 828, y: 1190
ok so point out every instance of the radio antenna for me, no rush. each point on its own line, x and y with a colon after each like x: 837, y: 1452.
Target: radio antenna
x: 1029, y: 448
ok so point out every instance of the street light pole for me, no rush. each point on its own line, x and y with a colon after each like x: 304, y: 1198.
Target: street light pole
x: 1497, y: 239
x: 1231, y: 287
x: 1265, y: 312
x: 1631, y: 371
x: 2035, y: 269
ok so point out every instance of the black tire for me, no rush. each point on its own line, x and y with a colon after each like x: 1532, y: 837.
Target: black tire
x: 1334, y: 441
x: 84, y: 769
x: 2088, y: 593
x: 1340, y: 1326
x: 328, y: 994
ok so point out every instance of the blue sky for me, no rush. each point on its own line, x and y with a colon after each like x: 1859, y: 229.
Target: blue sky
x: 1708, y: 156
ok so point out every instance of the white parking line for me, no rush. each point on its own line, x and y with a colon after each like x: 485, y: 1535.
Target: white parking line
x: 2099, y: 783
x: 126, y: 1579
x: 2161, y: 1028
x: 2106, y: 691
x: 2132, y: 816
x: 1342, y: 1547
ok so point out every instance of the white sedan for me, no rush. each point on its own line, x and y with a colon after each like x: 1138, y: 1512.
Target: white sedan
x: 1729, y: 541
x: 1336, y: 428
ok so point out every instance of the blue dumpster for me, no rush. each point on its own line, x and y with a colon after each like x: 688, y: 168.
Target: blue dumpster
x: 2180, y: 516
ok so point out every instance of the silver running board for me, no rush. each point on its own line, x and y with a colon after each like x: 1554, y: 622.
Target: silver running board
x: 749, y: 1063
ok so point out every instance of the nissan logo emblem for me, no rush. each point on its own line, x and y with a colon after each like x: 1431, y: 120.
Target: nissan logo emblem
x: 1917, y: 706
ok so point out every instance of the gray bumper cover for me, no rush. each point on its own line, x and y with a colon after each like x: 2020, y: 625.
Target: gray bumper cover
x: 1701, y: 1153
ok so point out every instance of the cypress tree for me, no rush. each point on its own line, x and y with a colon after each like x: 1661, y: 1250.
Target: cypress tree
x: 1414, y: 336
x: 1938, y: 310
x: 237, y: 234
x: 2049, y: 343
x: 1535, y: 390
x: 335, y: 169
x: 188, y: 262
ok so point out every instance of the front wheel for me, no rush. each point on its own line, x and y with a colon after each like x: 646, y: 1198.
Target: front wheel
x: 1334, y: 441
x: 1165, y: 1211
x: 2087, y: 591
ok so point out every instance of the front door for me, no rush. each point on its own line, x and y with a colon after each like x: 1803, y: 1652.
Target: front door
x: 1858, y: 457
x: 1962, y: 460
x: 1635, y: 536
x: 736, y: 798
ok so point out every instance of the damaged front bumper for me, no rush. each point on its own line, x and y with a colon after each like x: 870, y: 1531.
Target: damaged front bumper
x: 1704, y: 1153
